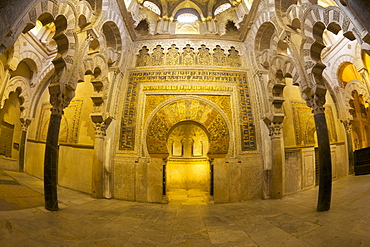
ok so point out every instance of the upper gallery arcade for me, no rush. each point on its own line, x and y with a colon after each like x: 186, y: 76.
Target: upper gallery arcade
x: 158, y: 100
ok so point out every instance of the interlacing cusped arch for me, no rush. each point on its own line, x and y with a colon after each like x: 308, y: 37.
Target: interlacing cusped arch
x: 266, y: 43
x: 144, y: 15
x: 41, y: 67
x: 281, y: 67
x: 62, y: 84
x: 336, y: 88
x: 20, y: 84
x: 294, y: 16
x: 285, y: 10
x: 354, y: 85
x: 97, y: 67
x: 86, y: 14
x: 111, y: 33
x: 263, y: 25
x: 316, y: 20
x: 63, y: 15
x: 102, y: 49
x: 187, y: 108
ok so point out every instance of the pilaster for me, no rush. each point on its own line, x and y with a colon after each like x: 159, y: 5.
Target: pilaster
x: 351, y: 161
x: 22, y: 147
x: 98, y: 160
x: 277, y: 169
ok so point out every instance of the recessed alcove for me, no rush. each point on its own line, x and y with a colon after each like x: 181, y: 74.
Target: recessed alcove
x: 188, y: 168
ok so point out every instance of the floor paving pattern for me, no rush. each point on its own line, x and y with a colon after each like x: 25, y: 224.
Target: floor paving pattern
x: 84, y: 221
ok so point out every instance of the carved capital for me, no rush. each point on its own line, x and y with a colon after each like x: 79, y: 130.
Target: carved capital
x: 25, y: 122
x: 56, y: 100
x: 100, y: 129
x: 347, y: 126
x: 275, y: 129
x: 60, y: 97
x: 317, y: 102
x: 59, y: 102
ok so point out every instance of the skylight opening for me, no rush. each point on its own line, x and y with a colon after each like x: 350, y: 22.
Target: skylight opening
x: 152, y: 6
x: 222, y: 8
x: 187, y: 18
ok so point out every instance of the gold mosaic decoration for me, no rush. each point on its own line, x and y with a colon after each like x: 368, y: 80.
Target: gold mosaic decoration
x: 222, y: 101
x: 187, y: 110
x: 127, y: 140
x: 304, y: 124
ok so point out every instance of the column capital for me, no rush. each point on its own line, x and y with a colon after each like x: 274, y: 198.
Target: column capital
x: 60, y: 97
x: 25, y: 122
x: 317, y: 102
x: 347, y: 126
x: 275, y: 129
x: 100, y: 129
x: 58, y: 104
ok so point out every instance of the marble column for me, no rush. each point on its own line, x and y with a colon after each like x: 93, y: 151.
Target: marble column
x: 164, y: 177
x: 98, y: 161
x: 22, y: 146
x: 52, y: 154
x: 60, y: 96
x: 351, y: 158
x: 211, y: 186
x: 325, y: 184
x: 277, y: 172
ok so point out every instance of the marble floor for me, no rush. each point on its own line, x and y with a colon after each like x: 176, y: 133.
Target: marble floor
x: 188, y: 197
x: 84, y: 221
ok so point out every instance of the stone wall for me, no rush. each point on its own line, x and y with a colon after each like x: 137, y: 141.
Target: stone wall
x: 238, y: 179
x: 234, y: 179
x: 75, y: 167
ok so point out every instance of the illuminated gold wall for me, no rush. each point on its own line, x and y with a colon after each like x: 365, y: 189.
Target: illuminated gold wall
x: 169, y: 88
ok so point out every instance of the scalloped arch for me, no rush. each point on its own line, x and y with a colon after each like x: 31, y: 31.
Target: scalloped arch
x: 83, y: 8
x: 265, y: 43
x: 21, y: 83
x: 355, y: 85
x: 98, y: 61
x: 342, y: 59
x: 326, y: 16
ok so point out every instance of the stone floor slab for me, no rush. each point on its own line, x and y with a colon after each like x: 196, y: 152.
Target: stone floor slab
x: 84, y: 221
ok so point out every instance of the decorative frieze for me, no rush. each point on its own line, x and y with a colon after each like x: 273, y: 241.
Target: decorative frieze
x: 188, y: 56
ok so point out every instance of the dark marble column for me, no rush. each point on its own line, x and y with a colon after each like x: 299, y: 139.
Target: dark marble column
x: 277, y: 173
x: 51, y: 159
x: 22, y: 146
x: 60, y: 96
x: 325, y: 184
x: 98, y: 161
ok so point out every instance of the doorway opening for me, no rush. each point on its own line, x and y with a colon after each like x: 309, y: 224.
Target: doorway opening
x: 188, y: 171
